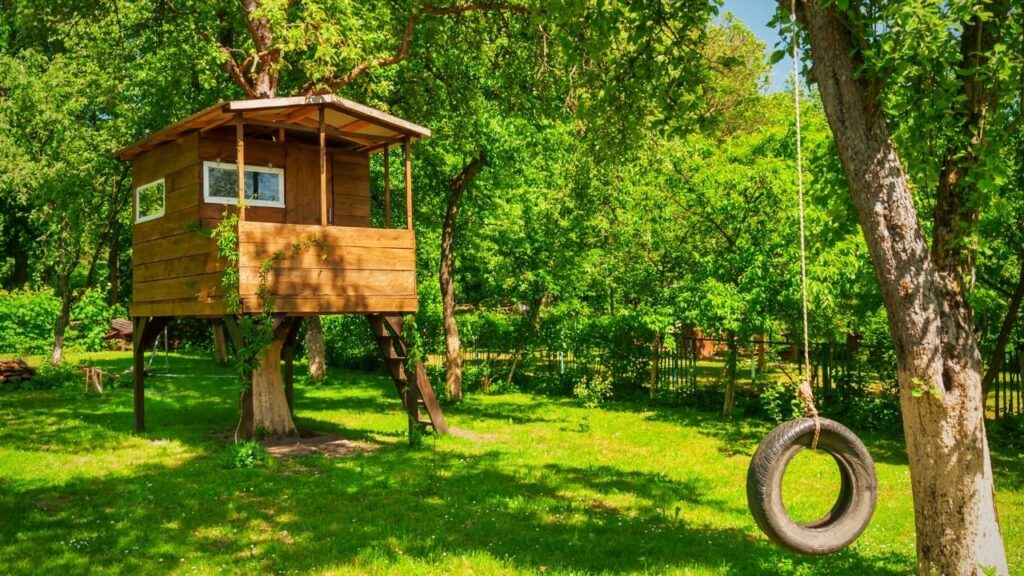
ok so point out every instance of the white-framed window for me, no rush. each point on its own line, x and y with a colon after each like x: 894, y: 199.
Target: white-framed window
x: 149, y: 201
x: 263, y: 186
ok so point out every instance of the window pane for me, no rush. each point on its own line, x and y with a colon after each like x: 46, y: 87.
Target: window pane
x: 267, y: 186
x: 223, y: 182
x: 151, y: 199
x: 259, y: 185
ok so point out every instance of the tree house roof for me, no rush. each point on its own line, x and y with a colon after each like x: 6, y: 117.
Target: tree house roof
x: 358, y: 125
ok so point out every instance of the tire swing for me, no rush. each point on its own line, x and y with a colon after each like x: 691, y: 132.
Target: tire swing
x: 858, y: 491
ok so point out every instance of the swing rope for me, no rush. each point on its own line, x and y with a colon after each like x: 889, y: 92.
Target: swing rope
x: 804, y: 390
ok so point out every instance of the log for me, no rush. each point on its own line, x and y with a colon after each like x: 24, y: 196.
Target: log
x: 15, y: 370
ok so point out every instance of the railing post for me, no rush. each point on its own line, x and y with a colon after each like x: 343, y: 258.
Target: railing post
x: 240, y: 162
x: 322, y: 133
x: 387, y: 186
x: 407, y: 148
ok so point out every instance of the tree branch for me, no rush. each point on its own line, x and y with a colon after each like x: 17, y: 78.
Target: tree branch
x: 235, y: 71
x: 324, y: 85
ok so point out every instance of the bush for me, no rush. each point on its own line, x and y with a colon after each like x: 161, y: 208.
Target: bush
x: 592, y: 390
x: 49, y: 376
x: 27, y: 319
x: 192, y: 335
x: 247, y: 454
x: 1007, y: 432
x: 349, y: 343
x: 90, y: 320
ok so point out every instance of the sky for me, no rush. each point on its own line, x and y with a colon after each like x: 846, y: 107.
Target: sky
x: 756, y: 14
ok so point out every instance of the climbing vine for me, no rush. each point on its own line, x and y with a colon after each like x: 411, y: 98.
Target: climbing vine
x: 257, y: 329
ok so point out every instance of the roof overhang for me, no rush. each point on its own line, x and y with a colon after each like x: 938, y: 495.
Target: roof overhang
x: 362, y: 126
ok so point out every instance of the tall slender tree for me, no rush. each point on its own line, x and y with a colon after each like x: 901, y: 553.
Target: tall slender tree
x: 856, y: 52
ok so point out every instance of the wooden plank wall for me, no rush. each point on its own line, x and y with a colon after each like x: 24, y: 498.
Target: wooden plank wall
x: 175, y: 268
x: 351, y: 189
x: 348, y: 174
x: 354, y: 270
x: 258, y: 153
x: 176, y: 271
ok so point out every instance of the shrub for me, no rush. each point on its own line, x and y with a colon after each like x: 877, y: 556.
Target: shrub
x: 192, y: 335
x: 349, y: 343
x: 27, y: 318
x: 1007, y: 432
x: 49, y: 376
x: 247, y: 454
x: 778, y: 401
x: 592, y: 390
x: 90, y: 320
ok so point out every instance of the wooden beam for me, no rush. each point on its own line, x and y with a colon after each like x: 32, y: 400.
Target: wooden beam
x: 323, y: 166
x: 144, y: 333
x: 216, y: 124
x: 387, y: 189
x: 240, y: 162
x: 408, y: 183
x: 348, y: 107
x: 139, y: 372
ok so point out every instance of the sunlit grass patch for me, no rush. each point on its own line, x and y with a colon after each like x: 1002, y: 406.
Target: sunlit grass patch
x: 522, y: 487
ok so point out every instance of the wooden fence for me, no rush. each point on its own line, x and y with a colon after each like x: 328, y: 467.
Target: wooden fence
x: 1007, y: 395
x: 839, y: 370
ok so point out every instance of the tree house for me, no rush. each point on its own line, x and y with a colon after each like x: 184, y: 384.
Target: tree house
x: 311, y: 238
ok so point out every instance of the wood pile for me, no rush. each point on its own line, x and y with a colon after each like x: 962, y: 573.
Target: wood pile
x: 15, y: 370
x: 120, y: 329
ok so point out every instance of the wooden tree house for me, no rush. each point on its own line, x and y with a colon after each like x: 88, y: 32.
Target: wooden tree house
x: 296, y: 172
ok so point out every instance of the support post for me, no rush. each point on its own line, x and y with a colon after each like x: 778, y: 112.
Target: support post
x: 408, y: 182
x: 240, y: 162
x: 387, y: 187
x: 322, y: 133
x: 144, y: 333
x: 139, y: 371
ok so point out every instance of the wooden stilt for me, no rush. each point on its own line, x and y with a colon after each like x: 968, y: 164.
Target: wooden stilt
x: 144, y: 333
x: 139, y: 370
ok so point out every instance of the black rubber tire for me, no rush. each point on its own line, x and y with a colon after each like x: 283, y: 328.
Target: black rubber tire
x: 854, y: 505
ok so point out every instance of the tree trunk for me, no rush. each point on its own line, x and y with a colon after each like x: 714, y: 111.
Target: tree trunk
x: 220, y: 344
x: 63, y: 318
x: 655, y: 355
x: 453, y: 347
x: 730, y: 376
x: 114, y: 268
x: 269, y: 404
x: 315, y: 348
x: 531, y: 324
x: 1003, y: 338
x: 929, y: 319
x: 20, y: 274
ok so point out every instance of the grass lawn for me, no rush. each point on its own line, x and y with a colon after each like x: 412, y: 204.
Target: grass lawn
x: 529, y: 485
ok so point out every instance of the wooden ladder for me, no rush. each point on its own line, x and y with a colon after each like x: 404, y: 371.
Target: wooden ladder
x: 388, y: 331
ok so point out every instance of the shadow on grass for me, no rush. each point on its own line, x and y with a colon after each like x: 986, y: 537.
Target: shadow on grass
x: 396, y: 504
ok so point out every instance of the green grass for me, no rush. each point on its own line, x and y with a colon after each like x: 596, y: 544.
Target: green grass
x: 530, y: 485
